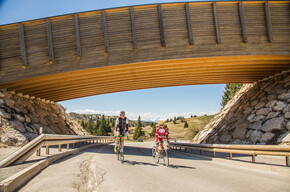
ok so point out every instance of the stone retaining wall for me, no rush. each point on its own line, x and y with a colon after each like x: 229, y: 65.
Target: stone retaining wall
x: 258, y: 114
x: 22, y: 116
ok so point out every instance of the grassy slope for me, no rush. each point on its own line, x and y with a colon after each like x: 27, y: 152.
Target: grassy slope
x: 177, y: 130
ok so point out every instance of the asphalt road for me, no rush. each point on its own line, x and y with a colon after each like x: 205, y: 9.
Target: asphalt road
x: 97, y: 169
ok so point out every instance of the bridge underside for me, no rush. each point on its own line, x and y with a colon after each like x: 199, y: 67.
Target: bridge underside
x: 126, y: 77
x: 130, y: 48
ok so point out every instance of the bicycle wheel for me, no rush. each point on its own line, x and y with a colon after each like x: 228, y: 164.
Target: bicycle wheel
x: 165, y: 158
x: 154, y: 155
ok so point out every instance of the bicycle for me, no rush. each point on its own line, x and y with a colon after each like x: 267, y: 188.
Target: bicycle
x: 161, y: 154
x: 120, y: 155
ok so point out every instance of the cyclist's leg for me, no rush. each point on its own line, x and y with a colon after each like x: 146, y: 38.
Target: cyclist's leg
x: 122, y: 140
x: 117, y: 140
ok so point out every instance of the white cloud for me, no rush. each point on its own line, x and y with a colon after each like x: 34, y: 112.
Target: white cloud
x: 145, y: 116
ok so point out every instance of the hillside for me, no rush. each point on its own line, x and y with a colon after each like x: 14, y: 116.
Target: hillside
x: 195, y: 124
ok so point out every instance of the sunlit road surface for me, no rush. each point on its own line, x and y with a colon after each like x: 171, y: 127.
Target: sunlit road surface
x: 97, y: 169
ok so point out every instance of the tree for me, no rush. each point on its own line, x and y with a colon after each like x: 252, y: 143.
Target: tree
x: 174, y: 120
x: 138, y: 130
x: 102, y: 129
x: 185, y: 124
x: 152, y: 134
x: 89, y: 125
x: 229, y: 93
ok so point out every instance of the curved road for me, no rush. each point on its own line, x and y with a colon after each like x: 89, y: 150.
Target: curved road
x: 96, y: 169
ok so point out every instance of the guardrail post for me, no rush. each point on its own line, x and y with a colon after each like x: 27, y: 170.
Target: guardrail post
x: 73, y: 145
x: 67, y: 146
x: 287, y: 161
x: 47, y: 149
x: 231, y: 155
x: 59, y: 147
x: 38, y: 152
x: 40, y: 130
x: 213, y: 153
x: 253, y: 158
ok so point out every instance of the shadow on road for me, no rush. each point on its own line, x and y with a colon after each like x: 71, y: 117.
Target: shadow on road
x: 138, y: 163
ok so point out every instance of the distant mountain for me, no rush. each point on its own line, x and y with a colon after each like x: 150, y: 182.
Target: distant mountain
x: 95, y: 117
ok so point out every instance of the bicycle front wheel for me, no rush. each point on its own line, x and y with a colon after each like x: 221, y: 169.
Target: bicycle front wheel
x: 165, y: 158
x: 154, y: 155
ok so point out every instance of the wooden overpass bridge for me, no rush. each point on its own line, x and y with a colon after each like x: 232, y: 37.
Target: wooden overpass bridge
x: 130, y: 48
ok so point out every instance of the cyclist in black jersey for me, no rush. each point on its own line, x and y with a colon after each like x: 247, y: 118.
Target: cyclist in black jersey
x: 121, y: 129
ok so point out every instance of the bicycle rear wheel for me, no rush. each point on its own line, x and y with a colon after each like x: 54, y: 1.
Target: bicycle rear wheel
x: 154, y: 155
x: 165, y: 158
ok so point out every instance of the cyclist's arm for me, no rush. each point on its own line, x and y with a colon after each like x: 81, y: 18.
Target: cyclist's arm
x: 116, y: 126
x: 166, y: 134
x: 156, y: 135
x: 127, y: 125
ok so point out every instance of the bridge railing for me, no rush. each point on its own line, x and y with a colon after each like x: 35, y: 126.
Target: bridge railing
x: 48, y: 140
x: 254, y: 150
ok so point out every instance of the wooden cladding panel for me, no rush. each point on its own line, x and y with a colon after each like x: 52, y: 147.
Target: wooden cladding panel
x: 230, y: 25
x: 203, y: 25
x: 175, y: 26
x: 119, y: 31
x: 147, y: 28
x: 256, y: 23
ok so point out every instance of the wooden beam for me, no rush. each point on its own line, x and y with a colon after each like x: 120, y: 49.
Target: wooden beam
x: 189, y: 26
x: 243, y: 23
x: 217, y: 25
x: 161, y: 25
x: 133, y: 28
x: 49, y: 40
x: 106, y: 38
x: 77, y: 34
x: 269, y: 23
x: 22, y: 45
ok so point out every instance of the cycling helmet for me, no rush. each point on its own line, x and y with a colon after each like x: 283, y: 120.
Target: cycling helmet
x: 161, y: 122
x: 122, y: 113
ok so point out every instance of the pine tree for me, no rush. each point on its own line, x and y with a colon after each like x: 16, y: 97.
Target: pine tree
x: 229, y: 93
x: 138, y: 130
x: 102, y: 129
x: 89, y: 125
x: 83, y: 124
x: 185, y: 124
x: 152, y: 134
x: 174, y: 120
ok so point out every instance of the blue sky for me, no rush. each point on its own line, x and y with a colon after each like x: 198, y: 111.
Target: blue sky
x: 150, y: 104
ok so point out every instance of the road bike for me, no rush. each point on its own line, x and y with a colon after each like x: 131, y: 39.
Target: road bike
x: 120, y: 155
x: 160, y: 154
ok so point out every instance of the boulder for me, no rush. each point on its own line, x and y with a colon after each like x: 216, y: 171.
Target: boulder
x: 284, y: 138
x: 225, y: 138
x: 247, y: 111
x: 287, y: 115
x: 258, y: 118
x: 267, y: 137
x: 284, y: 96
x: 254, y: 103
x: 4, y: 115
x: 259, y: 105
x: 271, y: 103
x: 272, y: 115
x: 240, y: 131
x: 1, y: 101
x: 1, y: 94
x: 18, y: 126
x: 255, y: 136
x: 288, y: 125
x: 264, y: 111
x: 19, y: 117
x: 286, y: 109
x: 273, y: 124
x: 279, y: 106
x: 257, y: 125
x: 250, y: 118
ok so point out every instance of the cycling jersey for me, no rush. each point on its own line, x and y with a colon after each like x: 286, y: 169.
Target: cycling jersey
x: 122, y: 125
x: 160, y: 132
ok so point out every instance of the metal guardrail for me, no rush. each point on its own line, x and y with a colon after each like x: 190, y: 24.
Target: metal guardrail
x: 254, y: 150
x: 50, y: 140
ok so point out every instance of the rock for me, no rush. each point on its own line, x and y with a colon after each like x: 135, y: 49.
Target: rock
x: 267, y: 137
x: 257, y: 125
x: 287, y: 115
x: 279, y: 106
x: 19, y: 118
x: 264, y: 111
x: 258, y: 118
x: 4, y: 115
x: 10, y: 103
x: 225, y: 138
x: 284, y: 96
x: 237, y: 141
x: 288, y: 125
x: 18, y: 126
x: 272, y: 115
x: 1, y: 101
x: 271, y: 97
x: 247, y: 111
x: 254, y: 103
x: 273, y: 124
x: 271, y: 103
x: 286, y: 109
x: 240, y: 131
x: 260, y: 105
x: 250, y: 118
x: 27, y: 119
x: 255, y: 136
x: 1, y: 94
x: 248, y: 133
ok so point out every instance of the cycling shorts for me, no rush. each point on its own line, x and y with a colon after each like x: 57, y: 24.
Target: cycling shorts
x: 122, y: 131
